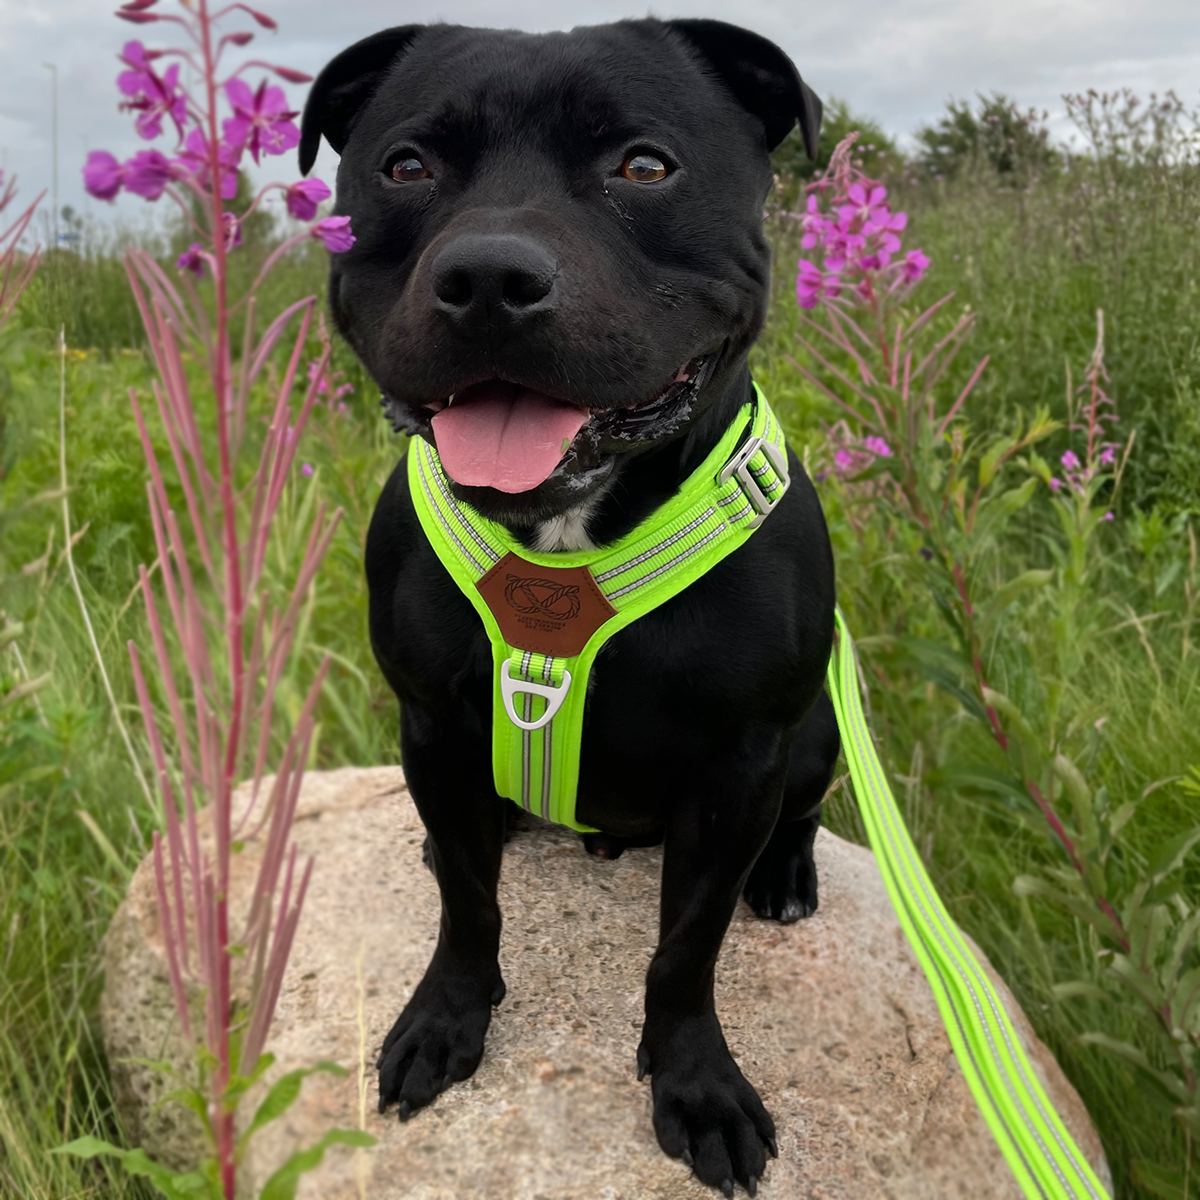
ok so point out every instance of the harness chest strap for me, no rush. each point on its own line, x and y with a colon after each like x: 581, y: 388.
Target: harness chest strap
x: 547, y: 615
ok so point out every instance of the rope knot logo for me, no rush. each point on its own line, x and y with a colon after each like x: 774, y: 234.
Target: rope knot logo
x: 542, y: 598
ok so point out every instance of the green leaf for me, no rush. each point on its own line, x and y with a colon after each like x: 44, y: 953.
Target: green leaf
x: 1004, y: 595
x: 1132, y: 1054
x: 984, y: 779
x: 1185, y: 1003
x: 1001, y: 508
x: 1016, y: 721
x: 239, y: 1085
x: 89, y: 1147
x: 992, y: 456
x: 174, y: 1185
x: 191, y: 1099
x: 1083, y: 908
x: 1165, y: 1182
x: 282, y: 1185
x: 1170, y: 857
x: 1079, y: 989
x: 282, y: 1096
x: 1081, y: 801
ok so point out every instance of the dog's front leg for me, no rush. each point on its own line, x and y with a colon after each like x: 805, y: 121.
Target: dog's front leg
x: 704, y: 1109
x: 438, y: 1038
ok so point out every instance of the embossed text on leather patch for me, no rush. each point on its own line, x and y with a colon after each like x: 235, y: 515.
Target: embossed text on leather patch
x: 549, y: 610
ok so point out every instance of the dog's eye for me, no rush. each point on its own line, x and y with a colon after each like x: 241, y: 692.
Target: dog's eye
x: 408, y: 170
x: 644, y: 168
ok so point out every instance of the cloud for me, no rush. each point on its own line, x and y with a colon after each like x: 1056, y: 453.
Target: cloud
x: 895, y: 60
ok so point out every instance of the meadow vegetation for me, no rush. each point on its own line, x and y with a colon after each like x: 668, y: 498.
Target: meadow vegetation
x: 1092, y: 656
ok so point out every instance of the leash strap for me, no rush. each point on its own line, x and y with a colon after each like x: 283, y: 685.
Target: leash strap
x: 548, y: 615
x: 1034, y: 1141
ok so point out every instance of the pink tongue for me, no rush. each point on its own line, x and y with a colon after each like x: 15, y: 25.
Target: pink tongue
x: 506, y: 437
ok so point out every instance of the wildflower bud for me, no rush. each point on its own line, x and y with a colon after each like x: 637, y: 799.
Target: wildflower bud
x: 261, y: 17
x: 137, y: 18
x: 192, y: 259
x: 291, y: 75
x: 103, y: 176
x: 335, y: 233
x: 303, y: 198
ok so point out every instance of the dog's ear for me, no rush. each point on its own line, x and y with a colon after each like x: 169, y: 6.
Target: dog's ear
x: 344, y: 87
x: 762, y: 78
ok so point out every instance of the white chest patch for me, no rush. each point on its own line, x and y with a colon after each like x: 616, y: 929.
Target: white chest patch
x: 568, y: 531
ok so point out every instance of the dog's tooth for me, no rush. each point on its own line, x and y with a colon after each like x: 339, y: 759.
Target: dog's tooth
x: 450, y: 399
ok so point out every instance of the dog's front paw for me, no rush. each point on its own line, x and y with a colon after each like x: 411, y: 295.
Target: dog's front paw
x: 705, y: 1111
x: 436, y: 1041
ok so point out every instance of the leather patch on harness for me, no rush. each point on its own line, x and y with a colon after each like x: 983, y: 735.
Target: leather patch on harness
x: 549, y: 610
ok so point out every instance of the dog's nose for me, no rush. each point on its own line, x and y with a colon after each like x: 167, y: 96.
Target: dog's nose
x: 480, y: 275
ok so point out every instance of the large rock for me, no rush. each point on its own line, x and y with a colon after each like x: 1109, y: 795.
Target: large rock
x: 830, y: 1019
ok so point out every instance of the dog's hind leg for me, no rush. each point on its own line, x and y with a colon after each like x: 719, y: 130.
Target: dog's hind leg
x: 438, y: 1038
x: 783, y: 882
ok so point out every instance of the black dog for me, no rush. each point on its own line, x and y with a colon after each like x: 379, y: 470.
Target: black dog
x: 579, y: 216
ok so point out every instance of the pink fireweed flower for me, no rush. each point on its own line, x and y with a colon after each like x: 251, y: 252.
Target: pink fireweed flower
x: 335, y: 233
x: 152, y: 97
x: 261, y: 121
x: 915, y: 265
x: 1070, y: 461
x: 193, y: 160
x: 1107, y: 456
x: 147, y: 173
x: 303, y: 198
x: 843, y: 462
x: 192, y: 259
x: 814, y: 224
x: 865, y: 206
x: 812, y: 286
x: 1108, y: 517
x: 103, y: 176
x: 306, y: 470
x: 878, y: 447
x: 315, y: 376
x: 885, y: 231
x: 843, y: 246
x: 1054, y: 483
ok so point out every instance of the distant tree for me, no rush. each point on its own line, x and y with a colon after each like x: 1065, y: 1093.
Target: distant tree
x: 876, y: 149
x: 1013, y: 142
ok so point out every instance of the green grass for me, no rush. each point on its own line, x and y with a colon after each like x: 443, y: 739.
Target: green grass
x: 1009, y: 254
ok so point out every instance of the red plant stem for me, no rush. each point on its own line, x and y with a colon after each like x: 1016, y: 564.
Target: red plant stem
x: 223, y: 1119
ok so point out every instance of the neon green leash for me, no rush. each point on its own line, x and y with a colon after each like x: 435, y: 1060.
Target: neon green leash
x: 1042, y: 1154
x: 548, y: 615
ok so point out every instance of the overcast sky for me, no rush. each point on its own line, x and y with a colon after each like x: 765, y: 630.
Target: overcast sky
x: 896, y: 60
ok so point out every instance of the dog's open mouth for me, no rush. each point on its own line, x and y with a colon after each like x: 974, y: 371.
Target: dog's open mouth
x: 508, y: 437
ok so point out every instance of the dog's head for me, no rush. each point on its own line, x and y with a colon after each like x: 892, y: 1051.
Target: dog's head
x: 560, y: 258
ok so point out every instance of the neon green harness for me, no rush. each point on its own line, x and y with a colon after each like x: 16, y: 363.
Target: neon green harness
x: 542, y: 660
x: 547, y: 615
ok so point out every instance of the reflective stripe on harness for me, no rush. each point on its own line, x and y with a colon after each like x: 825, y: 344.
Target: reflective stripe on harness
x: 1043, y: 1156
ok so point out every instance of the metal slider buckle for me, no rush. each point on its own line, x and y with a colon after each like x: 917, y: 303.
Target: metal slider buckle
x: 554, y: 695
x: 739, y: 465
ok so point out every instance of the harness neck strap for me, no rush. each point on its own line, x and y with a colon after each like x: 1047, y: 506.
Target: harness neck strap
x: 548, y: 614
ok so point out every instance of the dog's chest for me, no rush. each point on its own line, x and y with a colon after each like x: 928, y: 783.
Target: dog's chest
x: 567, y: 531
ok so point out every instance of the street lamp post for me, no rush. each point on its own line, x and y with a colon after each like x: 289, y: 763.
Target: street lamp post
x: 53, y: 69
